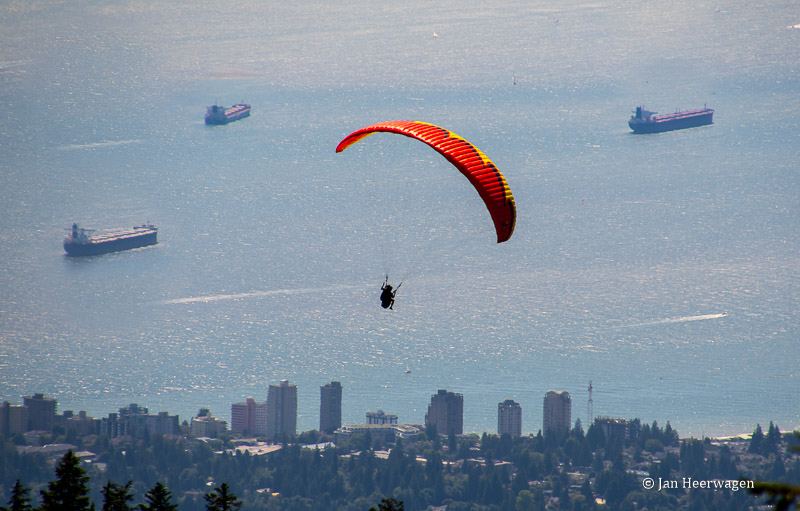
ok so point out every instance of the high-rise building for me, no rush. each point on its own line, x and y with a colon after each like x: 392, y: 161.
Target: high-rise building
x: 163, y: 424
x: 241, y: 421
x: 133, y: 420
x: 381, y: 418
x: 557, y: 412
x: 260, y: 421
x: 41, y: 412
x: 13, y: 419
x: 281, y: 411
x: 446, y: 413
x: 249, y: 418
x: 330, y: 407
x: 509, y: 418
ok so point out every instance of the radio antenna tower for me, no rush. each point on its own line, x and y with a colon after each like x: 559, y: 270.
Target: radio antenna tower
x: 591, y: 405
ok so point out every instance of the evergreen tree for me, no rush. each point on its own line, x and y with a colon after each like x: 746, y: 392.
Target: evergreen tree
x: 159, y: 498
x: 389, y: 505
x: 778, y: 469
x: 70, y: 490
x: 116, y: 497
x: 586, y: 491
x: 670, y: 436
x: 20, y: 500
x: 782, y: 496
x: 221, y: 499
x: 525, y: 501
x: 772, y: 440
x: 756, y: 440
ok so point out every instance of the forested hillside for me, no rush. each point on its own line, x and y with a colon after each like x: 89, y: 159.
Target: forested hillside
x: 577, y: 472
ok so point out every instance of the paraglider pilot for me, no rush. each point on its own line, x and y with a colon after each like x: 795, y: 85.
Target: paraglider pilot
x: 387, y: 295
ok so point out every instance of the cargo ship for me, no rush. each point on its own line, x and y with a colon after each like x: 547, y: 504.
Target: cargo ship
x: 80, y: 242
x: 216, y: 114
x: 644, y: 121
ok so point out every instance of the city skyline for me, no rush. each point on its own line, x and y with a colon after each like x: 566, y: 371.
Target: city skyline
x: 252, y: 417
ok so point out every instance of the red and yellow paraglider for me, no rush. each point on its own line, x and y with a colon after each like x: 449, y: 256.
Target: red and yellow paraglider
x: 476, y: 166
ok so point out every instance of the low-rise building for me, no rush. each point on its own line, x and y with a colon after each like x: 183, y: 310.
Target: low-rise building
x: 208, y: 426
x: 383, y: 433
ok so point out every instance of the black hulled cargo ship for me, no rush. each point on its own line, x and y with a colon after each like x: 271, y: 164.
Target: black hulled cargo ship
x: 644, y: 121
x: 216, y: 114
x: 80, y: 242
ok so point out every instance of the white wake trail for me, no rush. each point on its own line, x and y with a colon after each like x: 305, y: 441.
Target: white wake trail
x: 254, y: 294
x: 682, y: 319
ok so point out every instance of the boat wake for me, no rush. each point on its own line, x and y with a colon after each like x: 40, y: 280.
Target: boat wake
x: 254, y: 294
x: 682, y: 319
x: 5, y: 65
x: 97, y: 145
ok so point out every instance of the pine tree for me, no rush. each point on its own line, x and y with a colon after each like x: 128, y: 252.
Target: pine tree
x: 782, y: 496
x: 70, y: 490
x: 20, y: 500
x: 389, y: 505
x: 159, y: 498
x: 772, y: 440
x: 116, y: 497
x: 221, y: 499
x: 756, y: 440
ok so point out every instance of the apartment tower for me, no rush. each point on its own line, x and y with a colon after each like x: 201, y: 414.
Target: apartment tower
x: 281, y: 411
x: 557, y: 413
x: 41, y: 412
x: 249, y: 418
x: 509, y: 418
x: 446, y: 413
x: 330, y: 407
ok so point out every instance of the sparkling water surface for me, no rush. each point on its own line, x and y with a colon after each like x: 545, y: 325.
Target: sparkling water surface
x: 664, y: 269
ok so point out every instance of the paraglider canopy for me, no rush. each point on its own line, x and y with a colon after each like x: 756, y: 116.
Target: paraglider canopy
x: 476, y: 166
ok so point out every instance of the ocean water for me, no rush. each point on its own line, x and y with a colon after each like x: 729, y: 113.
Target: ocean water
x: 664, y: 269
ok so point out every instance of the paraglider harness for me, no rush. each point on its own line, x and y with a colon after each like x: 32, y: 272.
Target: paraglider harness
x: 387, y: 295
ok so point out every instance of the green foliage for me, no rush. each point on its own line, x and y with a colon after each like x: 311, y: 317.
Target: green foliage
x: 389, y: 505
x: 159, y: 498
x: 756, y: 440
x: 116, y: 497
x: 653, y: 445
x: 20, y: 499
x: 70, y: 490
x: 469, y: 473
x: 781, y: 495
x: 221, y: 499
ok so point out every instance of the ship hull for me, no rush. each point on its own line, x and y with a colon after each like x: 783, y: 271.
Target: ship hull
x: 679, y: 122
x: 117, y: 244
